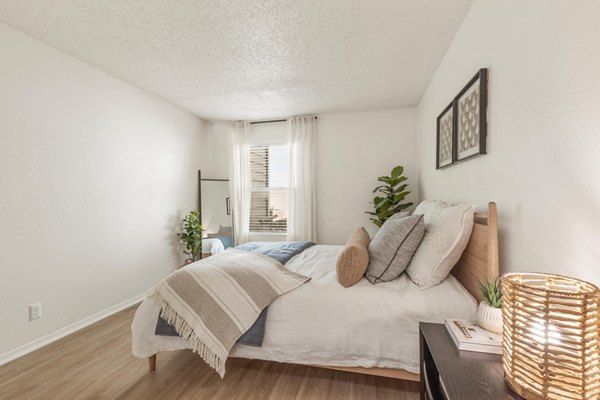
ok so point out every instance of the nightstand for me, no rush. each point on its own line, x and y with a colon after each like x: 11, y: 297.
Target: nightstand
x: 450, y: 374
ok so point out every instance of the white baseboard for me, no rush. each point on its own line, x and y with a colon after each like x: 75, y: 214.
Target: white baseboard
x: 67, y: 330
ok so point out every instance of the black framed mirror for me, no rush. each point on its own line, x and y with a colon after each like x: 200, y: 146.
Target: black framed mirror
x: 214, y: 203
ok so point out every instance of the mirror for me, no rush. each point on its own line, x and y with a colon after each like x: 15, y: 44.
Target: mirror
x: 215, y: 215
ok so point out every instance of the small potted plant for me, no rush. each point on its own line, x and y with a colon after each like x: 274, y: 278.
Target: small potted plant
x: 191, y: 237
x: 489, y: 314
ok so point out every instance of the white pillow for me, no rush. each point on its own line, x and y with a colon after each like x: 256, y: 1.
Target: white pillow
x: 448, y: 229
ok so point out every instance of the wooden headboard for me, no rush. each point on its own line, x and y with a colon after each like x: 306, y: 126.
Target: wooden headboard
x: 479, y: 261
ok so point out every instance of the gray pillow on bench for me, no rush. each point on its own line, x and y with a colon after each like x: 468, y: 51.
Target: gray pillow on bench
x: 393, y: 246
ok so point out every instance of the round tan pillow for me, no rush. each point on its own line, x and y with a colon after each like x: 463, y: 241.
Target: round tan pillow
x: 353, y: 260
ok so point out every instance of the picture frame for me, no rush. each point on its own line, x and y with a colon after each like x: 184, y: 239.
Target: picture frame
x: 462, y: 125
x: 445, y: 138
x: 470, y: 114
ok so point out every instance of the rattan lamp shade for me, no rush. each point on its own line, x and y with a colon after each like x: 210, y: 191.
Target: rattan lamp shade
x: 551, y: 342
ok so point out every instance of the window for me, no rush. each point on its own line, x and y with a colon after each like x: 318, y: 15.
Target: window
x: 268, y: 203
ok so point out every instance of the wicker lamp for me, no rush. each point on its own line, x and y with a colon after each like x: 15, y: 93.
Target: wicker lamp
x: 551, y: 342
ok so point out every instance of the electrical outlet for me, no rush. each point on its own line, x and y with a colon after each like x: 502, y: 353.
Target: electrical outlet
x: 35, y: 311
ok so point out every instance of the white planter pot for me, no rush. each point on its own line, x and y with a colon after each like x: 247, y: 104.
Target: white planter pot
x: 489, y: 318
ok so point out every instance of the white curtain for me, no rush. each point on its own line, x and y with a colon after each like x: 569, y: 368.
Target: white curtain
x: 240, y: 181
x: 301, y: 199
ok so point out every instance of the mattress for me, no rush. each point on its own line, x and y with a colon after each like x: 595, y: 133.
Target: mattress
x: 323, y: 323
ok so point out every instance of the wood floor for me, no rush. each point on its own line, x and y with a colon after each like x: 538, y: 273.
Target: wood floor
x: 96, y: 363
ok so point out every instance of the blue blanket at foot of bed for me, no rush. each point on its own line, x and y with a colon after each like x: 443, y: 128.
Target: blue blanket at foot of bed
x: 280, y: 251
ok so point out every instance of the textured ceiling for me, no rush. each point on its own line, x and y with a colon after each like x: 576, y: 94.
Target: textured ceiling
x: 254, y: 59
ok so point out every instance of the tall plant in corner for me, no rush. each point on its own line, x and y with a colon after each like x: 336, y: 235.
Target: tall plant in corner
x: 390, y: 196
x: 191, y: 237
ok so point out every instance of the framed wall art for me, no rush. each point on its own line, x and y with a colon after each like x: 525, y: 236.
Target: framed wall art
x: 445, y: 137
x: 462, y: 126
x: 471, y: 121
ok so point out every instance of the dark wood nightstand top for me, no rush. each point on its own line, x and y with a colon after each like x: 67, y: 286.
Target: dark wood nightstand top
x: 465, y: 374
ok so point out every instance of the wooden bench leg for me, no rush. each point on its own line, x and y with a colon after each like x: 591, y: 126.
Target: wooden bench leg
x: 152, y: 363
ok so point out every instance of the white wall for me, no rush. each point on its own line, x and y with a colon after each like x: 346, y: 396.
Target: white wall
x: 353, y: 149
x: 94, y: 177
x: 216, y: 151
x: 543, y: 166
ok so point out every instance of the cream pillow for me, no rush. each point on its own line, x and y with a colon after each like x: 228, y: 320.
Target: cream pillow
x: 353, y: 260
x: 448, y: 229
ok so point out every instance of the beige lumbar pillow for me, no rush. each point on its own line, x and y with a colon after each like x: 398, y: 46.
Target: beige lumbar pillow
x: 353, y: 260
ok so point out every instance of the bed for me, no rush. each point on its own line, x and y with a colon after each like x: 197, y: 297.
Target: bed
x: 367, y: 329
x: 212, y: 246
x: 215, y: 243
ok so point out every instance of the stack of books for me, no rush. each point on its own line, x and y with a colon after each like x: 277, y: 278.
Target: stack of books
x: 469, y: 336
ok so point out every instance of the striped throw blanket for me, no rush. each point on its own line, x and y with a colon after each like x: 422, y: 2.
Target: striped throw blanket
x: 213, y: 302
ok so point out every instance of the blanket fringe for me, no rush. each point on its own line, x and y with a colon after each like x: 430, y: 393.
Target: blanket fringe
x: 187, y: 332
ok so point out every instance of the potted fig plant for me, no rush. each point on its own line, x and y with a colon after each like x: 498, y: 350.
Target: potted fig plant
x: 191, y: 237
x: 390, y: 196
x: 489, y: 313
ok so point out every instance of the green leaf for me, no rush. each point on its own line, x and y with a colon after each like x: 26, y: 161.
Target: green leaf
x: 404, y: 206
x: 397, y: 172
x: 382, y: 205
x: 401, y: 188
x: 399, y: 197
x: 382, y: 188
x: 491, y: 292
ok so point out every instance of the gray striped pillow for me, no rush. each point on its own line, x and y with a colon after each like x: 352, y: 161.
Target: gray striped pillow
x: 393, y: 246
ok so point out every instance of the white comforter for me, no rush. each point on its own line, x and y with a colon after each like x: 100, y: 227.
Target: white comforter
x: 323, y: 323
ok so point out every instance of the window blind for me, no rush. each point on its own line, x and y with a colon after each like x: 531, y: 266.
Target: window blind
x: 268, y: 203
